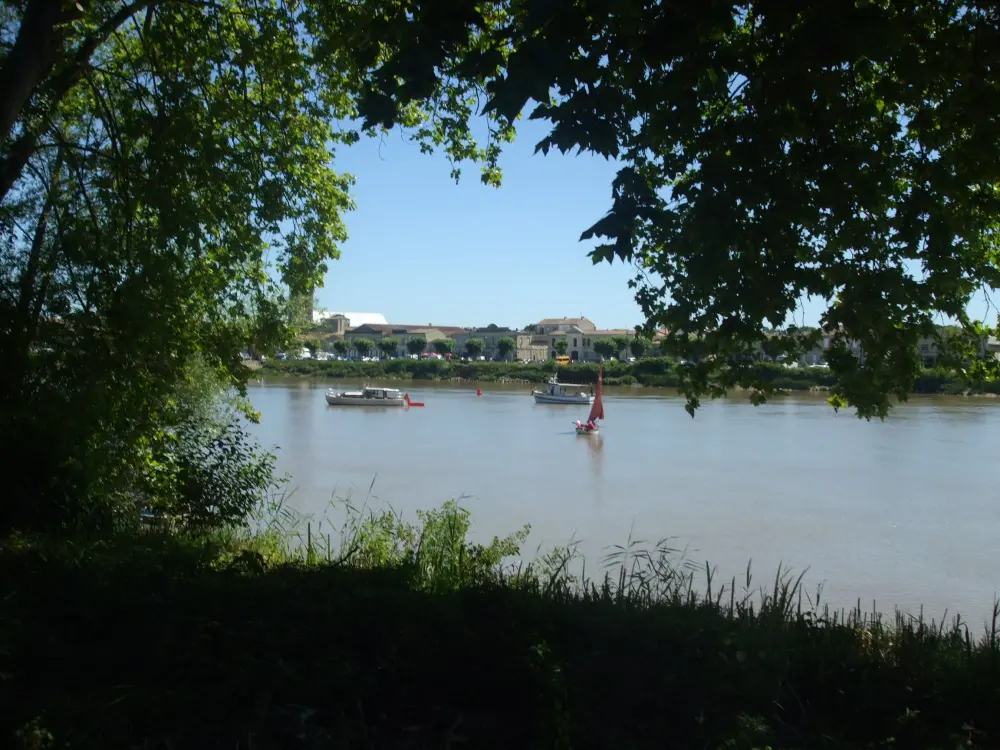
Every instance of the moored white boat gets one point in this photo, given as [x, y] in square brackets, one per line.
[562, 393]
[366, 397]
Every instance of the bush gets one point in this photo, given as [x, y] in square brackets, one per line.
[410, 633]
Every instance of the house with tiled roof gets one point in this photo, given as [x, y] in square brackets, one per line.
[580, 325]
[401, 333]
[489, 335]
[579, 340]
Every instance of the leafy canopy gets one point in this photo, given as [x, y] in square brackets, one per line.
[444, 346]
[605, 348]
[388, 346]
[167, 190]
[844, 150]
[639, 346]
[474, 347]
[364, 347]
[505, 346]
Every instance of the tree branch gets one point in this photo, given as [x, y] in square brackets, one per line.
[58, 86]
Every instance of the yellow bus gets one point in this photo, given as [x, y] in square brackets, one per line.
[562, 359]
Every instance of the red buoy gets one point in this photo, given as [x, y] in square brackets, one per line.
[479, 391]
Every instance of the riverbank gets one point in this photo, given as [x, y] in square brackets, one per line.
[652, 372]
[409, 636]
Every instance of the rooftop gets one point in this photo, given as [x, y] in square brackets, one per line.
[354, 319]
[565, 321]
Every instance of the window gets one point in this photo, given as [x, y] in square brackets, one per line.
[574, 342]
[925, 348]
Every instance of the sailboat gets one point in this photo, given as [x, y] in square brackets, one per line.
[596, 410]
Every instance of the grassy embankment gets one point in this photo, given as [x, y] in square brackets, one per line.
[651, 372]
[408, 637]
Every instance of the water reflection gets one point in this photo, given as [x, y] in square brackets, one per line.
[595, 443]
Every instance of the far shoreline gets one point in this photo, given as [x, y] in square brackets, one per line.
[264, 376]
[654, 374]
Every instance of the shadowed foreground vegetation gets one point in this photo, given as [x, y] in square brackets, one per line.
[656, 372]
[412, 637]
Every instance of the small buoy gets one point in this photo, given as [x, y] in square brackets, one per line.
[479, 391]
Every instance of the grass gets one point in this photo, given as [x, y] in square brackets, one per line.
[656, 372]
[391, 634]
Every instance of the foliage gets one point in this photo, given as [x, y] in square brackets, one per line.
[562, 345]
[639, 346]
[220, 475]
[300, 307]
[334, 643]
[621, 344]
[416, 345]
[167, 191]
[206, 470]
[444, 346]
[474, 347]
[760, 167]
[341, 347]
[363, 346]
[506, 346]
[604, 348]
[388, 346]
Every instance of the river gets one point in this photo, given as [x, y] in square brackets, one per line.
[902, 513]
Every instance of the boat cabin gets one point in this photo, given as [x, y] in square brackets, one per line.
[381, 393]
[566, 389]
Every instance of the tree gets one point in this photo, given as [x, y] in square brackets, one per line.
[364, 347]
[639, 346]
[300, 308]
[768, 350]
[416, 345]
[531, 328]
[474, 347]
[621, 344]
[604, 348]
[506, 346]
[151, 154]
[389, 347]
[561, 346]
[747, 181]
[444, 346]
[341, 347]
[311, 346]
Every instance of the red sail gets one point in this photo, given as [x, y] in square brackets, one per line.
[597, 410]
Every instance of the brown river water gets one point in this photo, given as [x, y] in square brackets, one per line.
[903, 513]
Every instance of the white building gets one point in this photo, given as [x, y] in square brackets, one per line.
[354, 319]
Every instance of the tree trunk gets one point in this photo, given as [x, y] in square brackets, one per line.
[38, 44]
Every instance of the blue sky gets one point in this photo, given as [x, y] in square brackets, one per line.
[423, 250]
